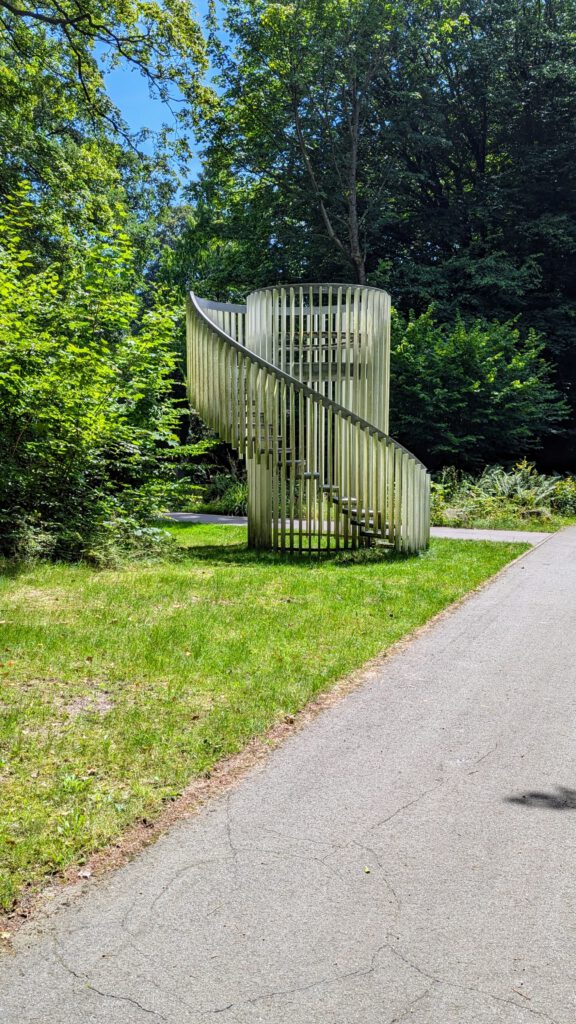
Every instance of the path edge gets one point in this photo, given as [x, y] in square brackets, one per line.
[226, 774]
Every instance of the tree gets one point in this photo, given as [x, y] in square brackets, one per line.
[86, 421]
[60, 131]
[426, 147]
[485, 131]
[161, 40]
[300, 89]
[465, 395]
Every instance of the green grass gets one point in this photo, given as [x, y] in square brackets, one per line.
[118, 686]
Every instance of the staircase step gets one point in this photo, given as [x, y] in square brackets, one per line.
[382, 542]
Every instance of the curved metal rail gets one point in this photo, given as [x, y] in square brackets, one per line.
[320, 475]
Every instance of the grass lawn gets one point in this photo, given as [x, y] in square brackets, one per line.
[118, 686]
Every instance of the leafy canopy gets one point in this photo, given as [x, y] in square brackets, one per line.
[85, 374]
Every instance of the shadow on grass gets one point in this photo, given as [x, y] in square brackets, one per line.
[192, 545]
[240, 554]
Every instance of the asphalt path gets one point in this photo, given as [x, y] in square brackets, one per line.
[410, 855]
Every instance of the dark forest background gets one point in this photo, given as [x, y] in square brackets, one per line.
[426, 148]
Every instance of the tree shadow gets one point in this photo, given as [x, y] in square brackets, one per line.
[563, 799]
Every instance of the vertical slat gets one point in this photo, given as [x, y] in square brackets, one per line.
[309, 466]
[404, 463]
[301, 462]
[235, 394]
[283, 428]
[397, 471]
[327, 455]
[274, 456]
[264, 416]
[283, 328]
[369, 473]
[411, 504]
[251, 413]
[356, 403]
[301, 332]
[346, 470]
[328, 319]
[389, 472]
[293, 457]
[339, 329]
[320, 470]
[292, 331]
[242, 423]
[379, 499]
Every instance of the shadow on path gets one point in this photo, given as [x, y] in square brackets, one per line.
[563, 799]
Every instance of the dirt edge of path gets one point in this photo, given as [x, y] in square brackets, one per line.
[78, 878]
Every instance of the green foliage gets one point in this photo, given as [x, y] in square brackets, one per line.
[226, 495]
[292, 146]
[517, 498]
[85, 380]
[564, 497]
[427, 146]
[73, 45]
[466, 394]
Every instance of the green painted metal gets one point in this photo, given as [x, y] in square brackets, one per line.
[297, 381]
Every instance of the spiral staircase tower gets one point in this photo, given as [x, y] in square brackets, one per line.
[297, 381]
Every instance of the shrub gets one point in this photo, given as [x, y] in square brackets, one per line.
[227, 495]
[564, 497]
[498, 496]
[86, 417]
[470, 394]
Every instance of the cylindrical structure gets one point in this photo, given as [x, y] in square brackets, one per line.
[299, 385]
[335, 338]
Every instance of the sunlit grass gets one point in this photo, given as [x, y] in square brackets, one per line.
[118, 686]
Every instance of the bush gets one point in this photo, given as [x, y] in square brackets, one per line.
[470, 394]
[564, 497]
[86, 417]
[226, 495]
[499, 497]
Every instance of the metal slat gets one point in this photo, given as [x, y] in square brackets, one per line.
[319, 460]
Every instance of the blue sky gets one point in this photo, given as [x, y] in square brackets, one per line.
[129, 91]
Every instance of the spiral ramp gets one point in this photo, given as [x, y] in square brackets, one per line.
[297, 382]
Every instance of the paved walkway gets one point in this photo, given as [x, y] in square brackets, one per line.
[409, 856]
[451, 532]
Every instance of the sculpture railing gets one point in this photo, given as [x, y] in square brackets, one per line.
[321, 475]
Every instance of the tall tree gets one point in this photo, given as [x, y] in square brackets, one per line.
[425, 146]
[301, 87]
[59, 129]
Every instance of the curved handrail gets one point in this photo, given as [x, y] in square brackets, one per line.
[323, 400]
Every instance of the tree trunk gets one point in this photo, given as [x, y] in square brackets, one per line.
[356, 256]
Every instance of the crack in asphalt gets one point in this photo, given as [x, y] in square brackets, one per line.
[106, 995]
[467, 988]
[126, 999]
[404, 807]
[359, 972]
[408, 1009]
